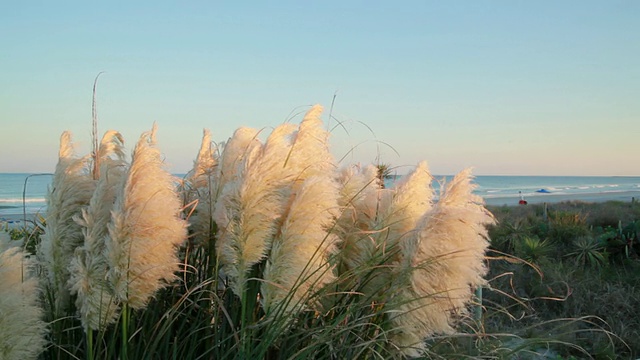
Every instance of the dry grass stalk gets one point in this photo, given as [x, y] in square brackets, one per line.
[145, 228]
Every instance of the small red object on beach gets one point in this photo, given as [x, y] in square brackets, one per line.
[522, 200]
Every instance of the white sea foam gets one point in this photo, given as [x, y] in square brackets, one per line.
[20, 201]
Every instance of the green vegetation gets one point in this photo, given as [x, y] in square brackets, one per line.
[569, 297]
[581, 261]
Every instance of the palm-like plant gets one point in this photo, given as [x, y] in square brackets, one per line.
[511, 233]
[588, 251]
[533, 250]
[384, 172]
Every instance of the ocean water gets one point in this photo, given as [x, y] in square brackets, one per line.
[494, 189]
[498, 190]
[554, 188]
[19, 192]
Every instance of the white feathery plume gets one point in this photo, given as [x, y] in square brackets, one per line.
[298, 262]
[448, 262]
[145, 228]
[412, 198]
[399, 210]
[310, 155]
[243, 142]
[364, 205]
[202, 180]
[360, 197]
[384, 221]
[251, 205]
[22, 330]
[205, 162]
[356, 183]
[95, 300]
[112, 148]
[71, 190]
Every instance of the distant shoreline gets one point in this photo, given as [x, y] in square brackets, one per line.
[624, 196]
[17, 219]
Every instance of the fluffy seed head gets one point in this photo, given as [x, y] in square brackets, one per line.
[298, 262]
[251, 205]
[95, 301]
[71, 190]
[22, 330]
[448, 264]
[202, 182]
[145, 228]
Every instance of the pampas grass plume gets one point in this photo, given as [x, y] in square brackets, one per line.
[203, 182]
[71, 190]
[360, 197]
[21, 327]
[298, 261]
[412, 198]
[448, 263]
[378, 223]
[145, 228]
[251, 205]
[95, 300]
[310, 155]
[205, 162]
[243, 142]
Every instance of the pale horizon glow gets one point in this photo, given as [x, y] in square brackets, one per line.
[508, 88]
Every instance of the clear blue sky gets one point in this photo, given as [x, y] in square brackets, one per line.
[507, 87]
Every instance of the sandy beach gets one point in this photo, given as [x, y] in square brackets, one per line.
[626, 196]
[14, 220]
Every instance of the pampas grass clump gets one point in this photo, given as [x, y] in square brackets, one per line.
[289, 255]
[22, 329]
